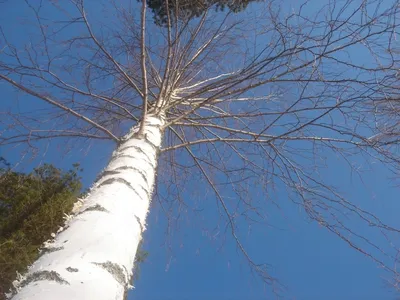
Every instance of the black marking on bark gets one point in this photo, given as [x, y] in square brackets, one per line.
[150, 143]
[145, 190]
[115, 270]
[96, 207]
[120, 180]
[140, 224]
[44, 275]
[136, 170]
[147, 156]
[152, 125]
[126, 148]
[44, 251]
[112, 172]
[105, 173]
[145, 139]
[139, 149]
[128, 286]
[147, 160]
[136, 158]
[72, 270]
[126, 290]
[121, 156]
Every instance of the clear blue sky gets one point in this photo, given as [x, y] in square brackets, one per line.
[188, 264]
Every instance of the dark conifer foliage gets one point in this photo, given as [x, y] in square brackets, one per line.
[32, 207]
[187, 9]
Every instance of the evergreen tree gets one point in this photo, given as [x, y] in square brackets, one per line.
[187, 9]
[32, 207]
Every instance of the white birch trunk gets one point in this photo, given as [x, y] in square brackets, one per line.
[93, 257]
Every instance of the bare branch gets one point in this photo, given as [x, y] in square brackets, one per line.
[59, 105]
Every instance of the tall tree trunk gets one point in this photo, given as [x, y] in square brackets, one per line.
[93, 257]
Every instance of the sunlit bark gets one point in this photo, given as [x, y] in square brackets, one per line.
[93, 256]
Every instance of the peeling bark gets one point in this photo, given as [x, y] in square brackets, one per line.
[101, 241]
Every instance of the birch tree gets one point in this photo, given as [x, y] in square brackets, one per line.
[244, 103]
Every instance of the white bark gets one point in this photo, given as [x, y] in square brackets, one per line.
[93, 257]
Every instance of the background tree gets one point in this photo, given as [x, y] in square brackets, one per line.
[242, 106]
[32, 207]
[187, 9]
